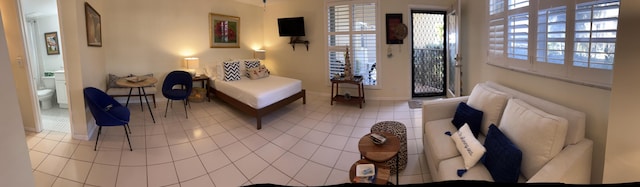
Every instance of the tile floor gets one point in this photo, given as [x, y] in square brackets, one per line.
[56, 119]
[299, 145]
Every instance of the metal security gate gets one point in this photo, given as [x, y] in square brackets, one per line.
[428, 70]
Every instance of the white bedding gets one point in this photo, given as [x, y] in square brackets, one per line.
[259, 93]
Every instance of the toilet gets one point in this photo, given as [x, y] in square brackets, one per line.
[45, 98]
[45, 95]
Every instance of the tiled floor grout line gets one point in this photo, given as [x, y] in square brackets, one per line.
[348, 117]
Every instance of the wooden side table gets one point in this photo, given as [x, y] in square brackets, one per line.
[382, 172]
[335, 96]
[148, 81]
[380, 153]
[204, 80]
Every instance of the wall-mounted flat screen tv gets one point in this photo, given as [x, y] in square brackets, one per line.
[291, 26]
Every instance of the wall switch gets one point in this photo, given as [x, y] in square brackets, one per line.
[19, 62]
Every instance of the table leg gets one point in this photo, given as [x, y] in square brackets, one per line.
[331, 96]
[129, 96]
[147, 100]
[362, 88]
[397, 168]
[360, 92]
[145, 97]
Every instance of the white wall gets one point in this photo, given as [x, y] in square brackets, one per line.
[16, 166]
[622, 156]
[49, 24]
[153, 36]
[394, 74]
[593, 101]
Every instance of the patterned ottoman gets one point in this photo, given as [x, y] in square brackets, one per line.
[398, 129]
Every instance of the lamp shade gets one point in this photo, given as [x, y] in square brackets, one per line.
[192, 64]
[259, 54]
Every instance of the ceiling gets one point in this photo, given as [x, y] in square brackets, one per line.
[258, 2]
[34, 8]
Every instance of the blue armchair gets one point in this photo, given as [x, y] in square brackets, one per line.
[184, 81]
[107, 112]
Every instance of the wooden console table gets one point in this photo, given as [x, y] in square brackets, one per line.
[335, 96]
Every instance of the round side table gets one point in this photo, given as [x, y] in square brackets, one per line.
[382, 172]
[380, 153]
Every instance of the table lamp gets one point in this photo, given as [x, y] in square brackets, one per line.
[192, 63]
[259, 54]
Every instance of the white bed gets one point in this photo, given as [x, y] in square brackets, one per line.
[259, 96]
[260, 93]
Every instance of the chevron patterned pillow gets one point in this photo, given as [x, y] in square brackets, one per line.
[248, 64]
[231, 71]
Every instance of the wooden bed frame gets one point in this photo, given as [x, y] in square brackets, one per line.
[258, 113]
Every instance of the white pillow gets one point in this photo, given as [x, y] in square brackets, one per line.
[539, 135]
[491, 102]
[211, 72]
[468, 146]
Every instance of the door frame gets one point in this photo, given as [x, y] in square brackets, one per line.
[456, 91]
[429, 10]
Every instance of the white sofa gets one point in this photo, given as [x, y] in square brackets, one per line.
[570, 163]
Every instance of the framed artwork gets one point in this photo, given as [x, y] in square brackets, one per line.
[224, 31]
[94, 30]
[51, 41]
[396, 30]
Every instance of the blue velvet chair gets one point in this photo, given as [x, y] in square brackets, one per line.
[107, 112]
[184, 83]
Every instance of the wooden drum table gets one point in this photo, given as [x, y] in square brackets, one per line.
[141, 82]
[382, 172]
[380, 153]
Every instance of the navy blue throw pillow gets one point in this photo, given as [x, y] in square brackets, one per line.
[467, 114]
[503, 158]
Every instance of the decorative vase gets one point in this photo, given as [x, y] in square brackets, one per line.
[348, 72]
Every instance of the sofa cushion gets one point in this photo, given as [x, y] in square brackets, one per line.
[538, 134]
[491, 102]
[111, 80]
[448, 170]
[442, 147]
[466, 114]
[468, 146]
[503, 159]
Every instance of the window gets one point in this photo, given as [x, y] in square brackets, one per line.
[552, 28]
[548, 26]
[496, 6]
[595, 37]
[353, 24]
[518, 36]
[515, 4]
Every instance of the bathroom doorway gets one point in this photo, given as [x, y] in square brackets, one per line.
[46, 65]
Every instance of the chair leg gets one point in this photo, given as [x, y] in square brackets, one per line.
[129, 127]
[98, 137]
[127, 134]
[185, 109]
[154, 100]
[166, 108]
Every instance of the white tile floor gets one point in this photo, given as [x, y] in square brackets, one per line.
[309, 145]
[55, 119]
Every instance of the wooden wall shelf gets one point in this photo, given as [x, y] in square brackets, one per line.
[293, 44]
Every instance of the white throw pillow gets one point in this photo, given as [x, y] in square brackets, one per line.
[469, 147]
[491, 102]
[539, 135]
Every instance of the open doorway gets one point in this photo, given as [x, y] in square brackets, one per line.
[429, 50]
[46, 65]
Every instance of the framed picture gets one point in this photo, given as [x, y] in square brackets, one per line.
[51, 41]
[94, 30]
[224, 31]
[396, 30]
